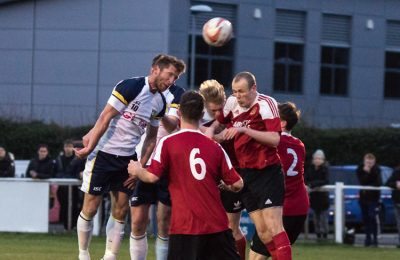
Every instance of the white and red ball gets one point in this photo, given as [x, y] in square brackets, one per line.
[217, 31]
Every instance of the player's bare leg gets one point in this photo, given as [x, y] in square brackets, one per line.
[84, 224]
[138, 241]
[270, 229]
[163, 223]
[116, 224]
[240, 239]
[256, 256]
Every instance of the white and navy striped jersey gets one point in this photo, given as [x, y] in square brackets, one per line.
[173, 98]
[138, 107]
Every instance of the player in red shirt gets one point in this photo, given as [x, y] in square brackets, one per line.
[214, 101]
[292, 153]
[255, 122]
[194, 165]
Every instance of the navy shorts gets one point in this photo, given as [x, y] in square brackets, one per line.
[106, 172]
[150, 193]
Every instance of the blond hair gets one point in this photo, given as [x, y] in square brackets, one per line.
[212, 91]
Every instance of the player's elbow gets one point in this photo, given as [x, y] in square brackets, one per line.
[151, 178]
[237, 186]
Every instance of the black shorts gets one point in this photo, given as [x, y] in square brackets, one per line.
[106, 172]
[293, 226]
[263, 188]
[216, 246]
[232, 201]
[150, 193]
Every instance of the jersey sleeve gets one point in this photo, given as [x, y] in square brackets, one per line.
[229, 174]
[226, 116]
[270, 114]
[159, 163]
[124, 92]
[155, 120]
[174, 106]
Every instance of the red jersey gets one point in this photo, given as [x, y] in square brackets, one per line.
[194, 165]
[292, 153]
[262, 115]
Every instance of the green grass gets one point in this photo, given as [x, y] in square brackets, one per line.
[17, 246]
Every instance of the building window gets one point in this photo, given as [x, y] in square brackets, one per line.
[334, 71]
[288, 67]
[289, 49]
[392, 75]
[212, 62]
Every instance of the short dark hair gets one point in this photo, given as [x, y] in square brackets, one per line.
[289, 112]
[43, 146]
[248, 76]
[68, 141]
[164, 60]
[192, 106]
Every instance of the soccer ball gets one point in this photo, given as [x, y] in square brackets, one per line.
[217, 31]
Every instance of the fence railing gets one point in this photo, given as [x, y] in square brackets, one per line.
[339, 220]
[29, 206]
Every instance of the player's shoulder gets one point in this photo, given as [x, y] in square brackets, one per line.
[176, 90]
[231, 103]
[130, 88]
[132, 82]
[268, 106]
[291, 141]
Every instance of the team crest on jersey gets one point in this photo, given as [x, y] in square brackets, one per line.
[244, 123]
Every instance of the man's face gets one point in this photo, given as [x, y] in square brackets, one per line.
[164, 78]
[2, 153]
[68, 149]
[369, 163]
[42, 153]
[214, 109]
[318, 160]
[245, 94]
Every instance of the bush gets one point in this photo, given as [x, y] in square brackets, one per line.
[22, 139]
[341, 146]
[348, 146]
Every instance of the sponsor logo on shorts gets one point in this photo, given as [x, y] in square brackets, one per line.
[268, 202]
[134, 198]
[237, 204]
[96, 188]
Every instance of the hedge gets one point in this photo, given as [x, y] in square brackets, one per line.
[22, 139]
[341, 146]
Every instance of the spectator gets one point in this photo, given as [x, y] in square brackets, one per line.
[42, 166]
[369, 174]
[7, 167]
[65, 169]
[394, 183]
[317, 175]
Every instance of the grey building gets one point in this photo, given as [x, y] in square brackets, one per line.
[338, 60]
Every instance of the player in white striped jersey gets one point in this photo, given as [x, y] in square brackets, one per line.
[135, 104]
[146, 194]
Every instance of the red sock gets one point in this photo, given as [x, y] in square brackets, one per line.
[271, 249]
[282, 246]
[241, 247]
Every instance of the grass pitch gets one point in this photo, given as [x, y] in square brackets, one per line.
[17, 246]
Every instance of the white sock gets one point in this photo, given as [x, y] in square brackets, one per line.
[115, 230]
[84, 228]
[138, 247]
[161, 248]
